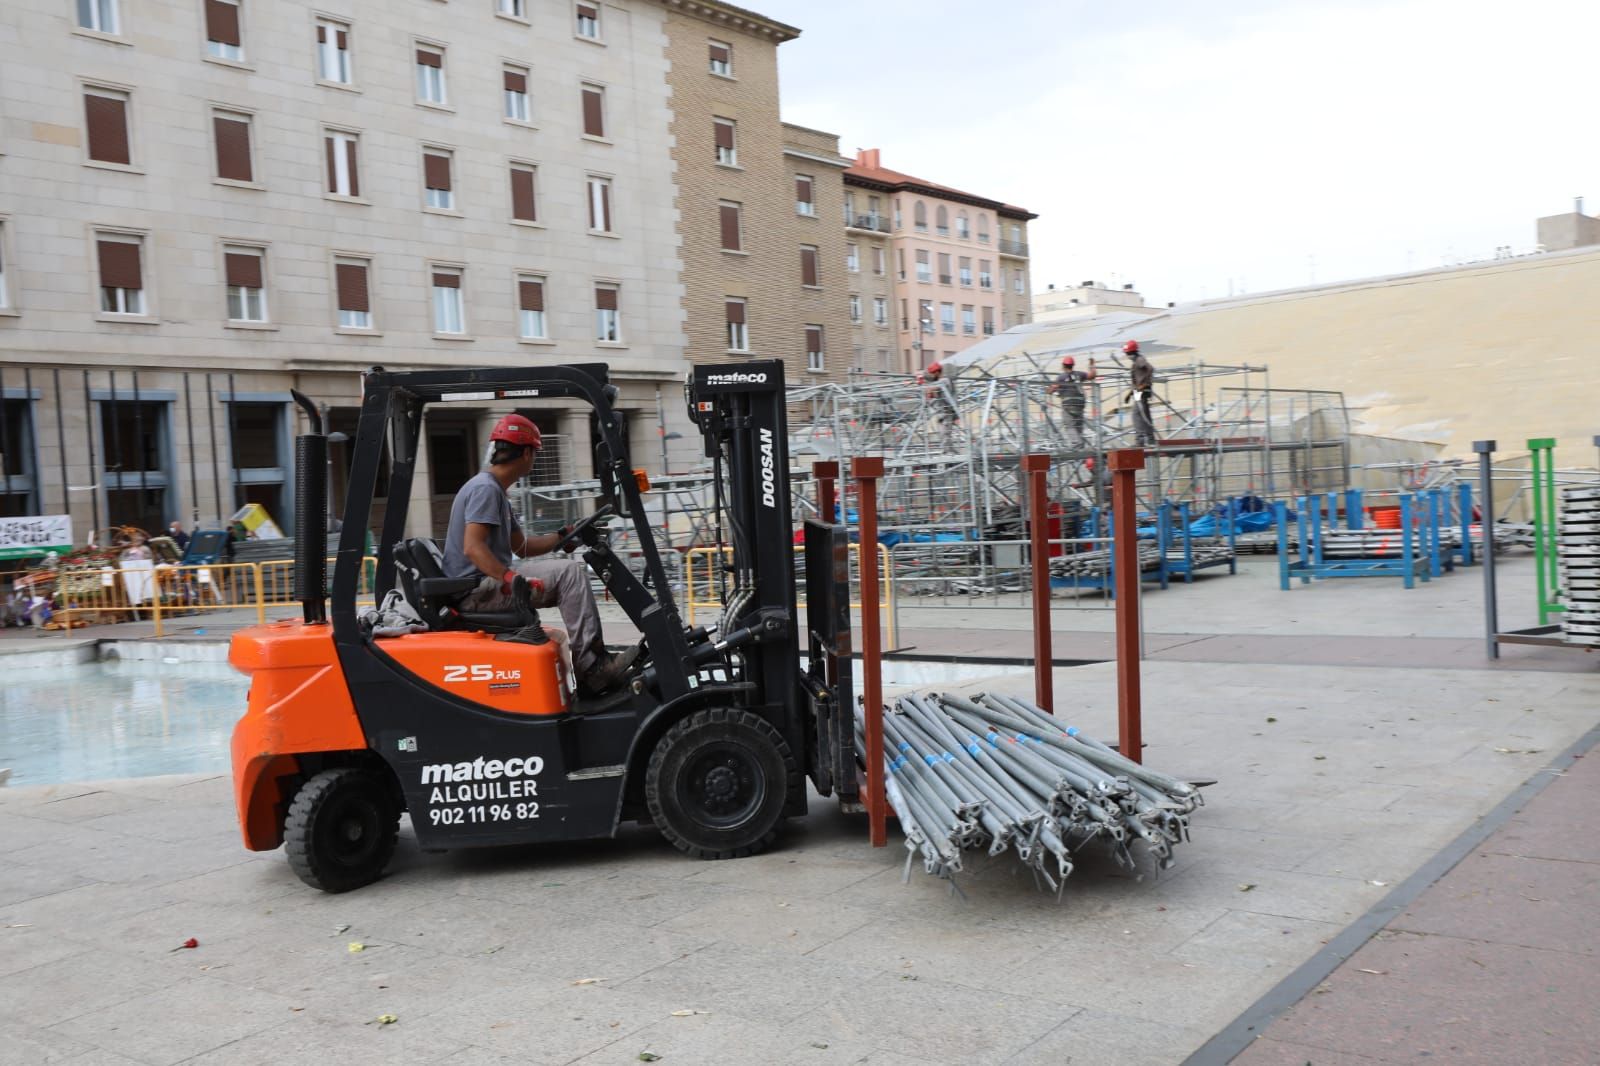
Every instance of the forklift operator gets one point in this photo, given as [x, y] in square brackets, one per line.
[484, 534]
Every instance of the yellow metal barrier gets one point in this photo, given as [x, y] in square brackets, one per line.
[277, 581]
[99, 592]
[233, 587]
[705, 594]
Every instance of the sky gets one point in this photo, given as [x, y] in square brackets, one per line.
[1201, 149]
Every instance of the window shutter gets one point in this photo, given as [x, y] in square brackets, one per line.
[516, 81]
[328, 150]
[222, 22]
[107, 120]
[735, 311]
[719, 54]
[351, 281]
[605, 207]
[119, 265]
[341, 40]
[593, 119]
[436, 171]
[808, 266]
[446, 281]
[233, 148]
[243, 269]
[530, 294]
[802, 189]
[730, 227]
[813, 339]
[722, 133]
[605, 299]
[522, 202]
[589, 11]
[350, 165]
[426, 58]
[322, 35]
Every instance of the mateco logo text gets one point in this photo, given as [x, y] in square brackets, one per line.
[740, 378]
[481, 769]
[769, 473]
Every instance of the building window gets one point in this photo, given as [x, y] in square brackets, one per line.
[988, 321]
[983, 228]
[350, 283]
[223, 39]
[517, 9]
[333, 52]
[247, 288]
[259, 446]
[231, 130]
[805, 197]
[1018, 283]
[515, 94]
[594, 113]
[5, 289]
[607, 314]
[721, 58]
[852, 258]
[964, 268]
[1016, 233]
[849, 208]
[99, 15]
[121, 274]
[732, 235]
[855, 309]
[900, 262]
[588, 20]
[137, 450]
[963, 230]
[18, 498]
[947, 317]
[877, 261]
[438, 190]
[809, 271]
[339, 150]
[723, 131]
[524, 205]
[969, 319]
[430, 76]
[942, 221]
[985, 278]
[530, 308]
[924, 267]
[880, 310]
[919, 216]
[897, 219]
[905, 318]
[944, 269]
[106, 120]
[814, 351]
[599, 204]
[738, 328]
[924, 316]
[449, 310]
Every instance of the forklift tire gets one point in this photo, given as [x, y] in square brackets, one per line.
[717, 784]
[341, 829]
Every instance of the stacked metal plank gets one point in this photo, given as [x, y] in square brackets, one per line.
[996, 772]
[1097, 562]
[1578, 548]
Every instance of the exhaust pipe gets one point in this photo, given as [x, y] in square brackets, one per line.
[311, 515]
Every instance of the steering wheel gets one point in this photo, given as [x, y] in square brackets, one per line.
[584, 530]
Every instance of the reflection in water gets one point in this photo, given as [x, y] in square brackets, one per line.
[118, 719]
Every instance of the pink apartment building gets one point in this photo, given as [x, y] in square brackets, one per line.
[950, 268]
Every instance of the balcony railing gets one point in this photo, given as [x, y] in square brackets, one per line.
[925, 277]
[968, 327]
[1018, 248]
[876, 223]
[944, 279]
[988, 329]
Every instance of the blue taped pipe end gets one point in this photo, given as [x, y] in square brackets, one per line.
[1072, 730]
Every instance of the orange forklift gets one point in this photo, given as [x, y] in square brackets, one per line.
[472, 727]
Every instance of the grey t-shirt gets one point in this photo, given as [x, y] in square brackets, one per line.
[480, 500]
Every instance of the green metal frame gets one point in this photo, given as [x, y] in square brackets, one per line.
[1545, 559]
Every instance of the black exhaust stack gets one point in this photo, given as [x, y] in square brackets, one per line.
[311, 515]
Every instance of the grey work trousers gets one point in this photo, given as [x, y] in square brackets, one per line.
[1144, 427]
[1073, 410]
[566, 584]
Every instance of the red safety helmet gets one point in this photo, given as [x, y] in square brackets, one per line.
[935, 368]
[1131, 348]
[1067, 360]
[516, 429]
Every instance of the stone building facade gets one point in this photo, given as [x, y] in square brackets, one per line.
[203, 205]
[758, 201]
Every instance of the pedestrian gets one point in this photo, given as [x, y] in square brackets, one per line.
[1069, 386]
[179, 537]
[1144, 378]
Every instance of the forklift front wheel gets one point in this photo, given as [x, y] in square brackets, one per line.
[341, 829]
[717, 784]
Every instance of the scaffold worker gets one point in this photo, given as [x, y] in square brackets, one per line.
[483, 535]
[940, 394]
[1069, 386]
[1144, 379]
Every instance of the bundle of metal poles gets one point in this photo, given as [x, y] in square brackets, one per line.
[1097, 561]
[998, 773]
[1579, 551]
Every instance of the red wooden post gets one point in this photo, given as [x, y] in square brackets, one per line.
[1036, 467]
[867, 470]
[1125, 464]
[826, 475]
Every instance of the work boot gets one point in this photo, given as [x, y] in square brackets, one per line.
[607, 672]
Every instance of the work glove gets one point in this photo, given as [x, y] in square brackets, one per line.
[562, 534]
[508, 581]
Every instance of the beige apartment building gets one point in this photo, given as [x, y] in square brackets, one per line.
[758, 200]
[206, 204]
[953, 266]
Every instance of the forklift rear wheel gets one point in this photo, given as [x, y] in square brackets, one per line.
[341, 829]
[717, 784]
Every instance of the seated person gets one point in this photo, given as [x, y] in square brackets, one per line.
[484, 534]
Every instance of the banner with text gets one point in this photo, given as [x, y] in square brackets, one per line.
[35, 535]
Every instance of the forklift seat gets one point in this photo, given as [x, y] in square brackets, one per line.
[420, 566]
